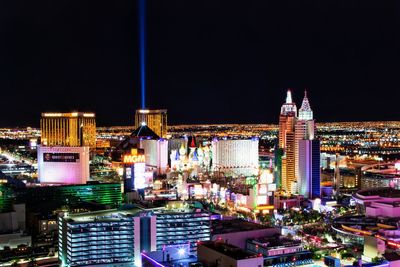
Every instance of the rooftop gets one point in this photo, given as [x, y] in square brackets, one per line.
[181, 262]
[235, 225]
[273, 242]
[381, 192]
[393, 256]
[228, 250]
[103, 215]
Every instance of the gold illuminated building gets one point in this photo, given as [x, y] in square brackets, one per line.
[287, 122]
[68, 129]
[155, 119]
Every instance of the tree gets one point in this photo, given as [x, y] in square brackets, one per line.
[32, 262]
[15, 262]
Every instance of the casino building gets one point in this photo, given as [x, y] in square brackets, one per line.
[156, 119]
[63, 165]
[118, 236]
[66, 140]
[68, 129]
[238, 157]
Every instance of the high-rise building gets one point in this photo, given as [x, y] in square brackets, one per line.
[287, 121]
[308, 157]
[109, 237]
[63, 165]
[238, 157]
[304, 128]
[180, 223]
[68, 129]
[309, 168]
[289, 180]
[155, 119]
[117, 236]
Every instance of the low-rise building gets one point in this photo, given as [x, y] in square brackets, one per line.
[227, 255]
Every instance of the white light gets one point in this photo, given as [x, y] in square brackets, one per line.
[143, 123]
[181, 251]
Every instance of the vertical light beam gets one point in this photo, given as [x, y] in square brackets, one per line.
[142, 48]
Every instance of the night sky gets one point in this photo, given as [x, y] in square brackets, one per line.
[209, 61]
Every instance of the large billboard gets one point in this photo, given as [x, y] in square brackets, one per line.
[63, 165]
[61, 157]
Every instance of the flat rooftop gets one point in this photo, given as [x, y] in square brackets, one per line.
[273, 242]
[229, 250]
[393, 256]
[381, 192]
[102, 215]
[181, 262]
[235, 225]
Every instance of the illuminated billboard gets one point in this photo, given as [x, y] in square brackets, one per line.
[63, 165]
[134, 157]
[61, 157]
[135, 169]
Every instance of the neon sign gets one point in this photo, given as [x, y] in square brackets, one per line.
[134, 157]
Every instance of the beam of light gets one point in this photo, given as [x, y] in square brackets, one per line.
[142, 48]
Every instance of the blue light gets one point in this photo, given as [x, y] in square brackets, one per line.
[142, 48]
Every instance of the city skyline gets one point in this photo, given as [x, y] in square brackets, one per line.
[241, 59]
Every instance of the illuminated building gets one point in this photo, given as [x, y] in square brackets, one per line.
[380, 175]
[156, 119]
[173, 255]
[68, 129]
[227, 255]
[280, 250]
[155, 148]
[107, 237]
[182, 223]
[6, 197]
[134, 170]
[103, 194]
[63, 165]
[238, 231]
[287, 121]
[309, 168]
[119, 236]
[237, 157]
[187, 156]
[289, 181]
[304, 128]
[156, 153]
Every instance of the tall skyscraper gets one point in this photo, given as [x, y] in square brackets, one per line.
[305, 128]
[308, 157]
[66, 139]
[238, 157]
[287, 121]
[155, 119]
[75, 129]
[309, 168]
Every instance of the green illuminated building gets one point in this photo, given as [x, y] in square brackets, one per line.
[6, 198]
[103, 194]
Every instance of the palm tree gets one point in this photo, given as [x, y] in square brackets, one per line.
[15, 262]
[32, 262]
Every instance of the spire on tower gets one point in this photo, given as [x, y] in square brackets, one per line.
[305, 111]
[289, 97]
[289, 107]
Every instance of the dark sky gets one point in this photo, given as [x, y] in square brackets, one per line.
[209, 61]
